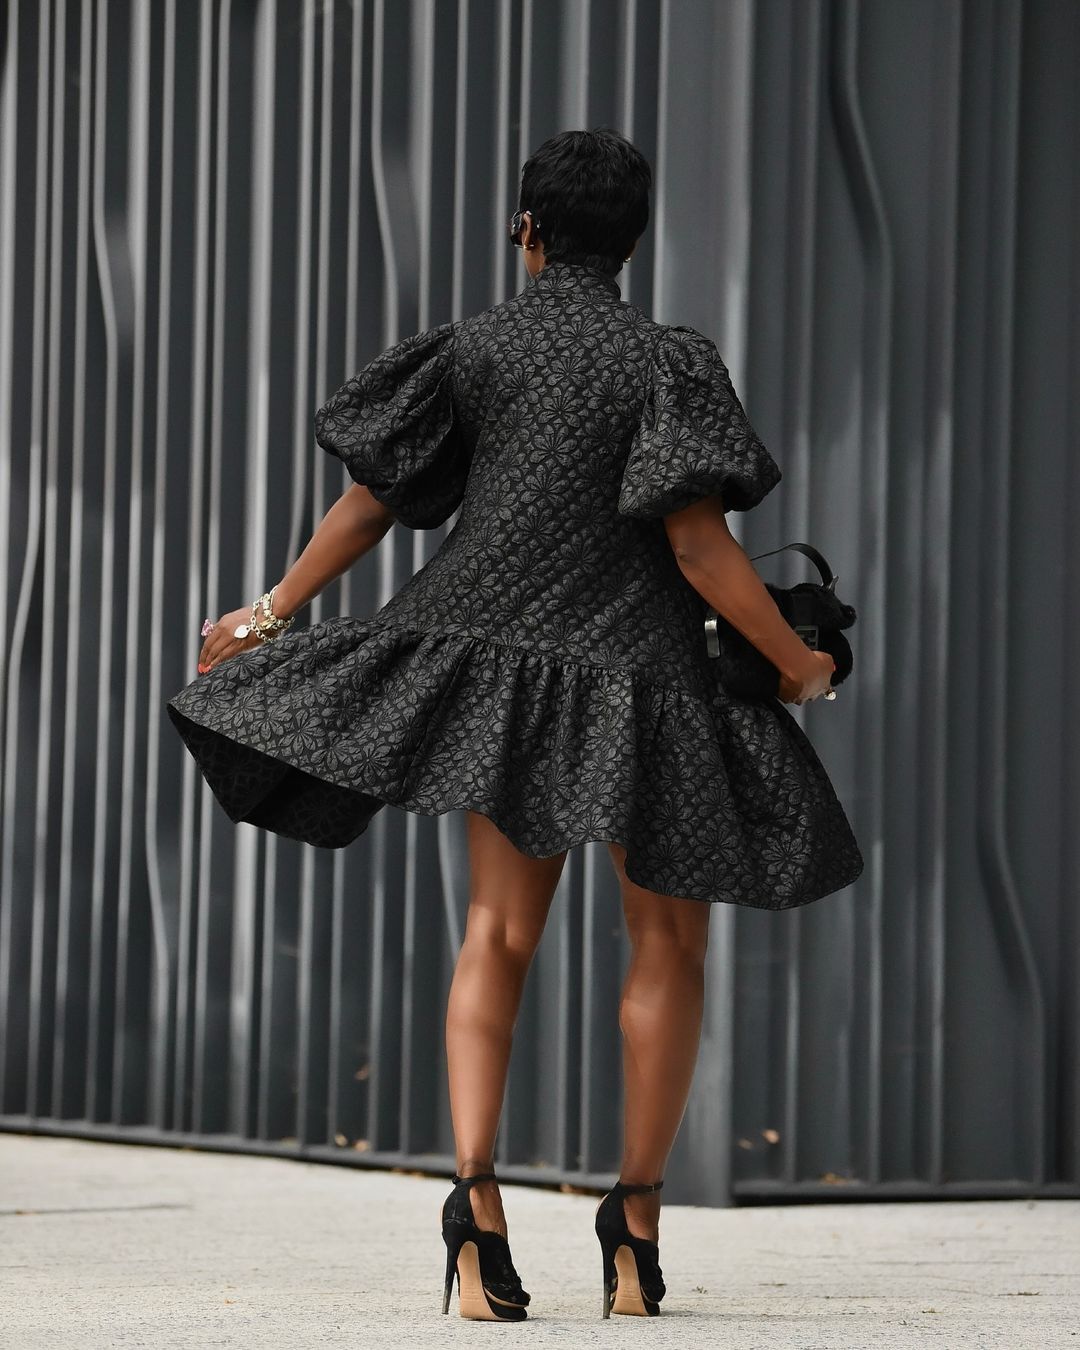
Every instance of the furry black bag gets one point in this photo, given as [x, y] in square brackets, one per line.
[812, 609]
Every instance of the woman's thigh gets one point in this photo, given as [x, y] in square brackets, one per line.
[678, 921]
[510, 892]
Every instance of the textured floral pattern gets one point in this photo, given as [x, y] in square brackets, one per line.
[546, 666]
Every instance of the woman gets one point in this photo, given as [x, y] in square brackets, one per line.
[545, 671]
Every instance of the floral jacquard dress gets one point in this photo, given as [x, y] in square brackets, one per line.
[547, 665]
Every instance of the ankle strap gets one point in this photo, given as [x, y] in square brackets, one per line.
[480, 1176]
[638, 1187]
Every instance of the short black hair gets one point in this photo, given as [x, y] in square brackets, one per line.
[588, 192]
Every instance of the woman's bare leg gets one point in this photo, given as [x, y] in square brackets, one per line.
[660, 1014]
[509, 897]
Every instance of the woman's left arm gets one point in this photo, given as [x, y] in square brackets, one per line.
[353, 526]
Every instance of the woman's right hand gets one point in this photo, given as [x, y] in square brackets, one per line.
[810, 683]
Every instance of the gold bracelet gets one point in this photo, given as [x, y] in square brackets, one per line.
[273, 625]
[272, 619]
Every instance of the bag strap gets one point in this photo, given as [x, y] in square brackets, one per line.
[828, 578]
[799, 616]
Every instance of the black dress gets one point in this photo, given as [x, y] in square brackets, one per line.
[547, 666]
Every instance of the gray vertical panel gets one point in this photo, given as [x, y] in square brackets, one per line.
[141, 956]
[1029, 1104]
[9, 126]
[246, 475]
[66, 960]
[42, 1005]
[73, 996]
[994, 1004]
[1067, 1117]
[806, 131]
[705, 60]
[781, 347]
[201, 519]
[1043, 746]
[161, 878]
[500, 172]
[397, 241]
[461, 199]
[21, 986]
[843, 1141]
[574, 62]
[310, 1038]
[252, 1026]
[224, 559]
[330, 885]
[102, 1049]
[935, 519]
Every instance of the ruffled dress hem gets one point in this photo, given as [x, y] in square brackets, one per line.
[312, 734]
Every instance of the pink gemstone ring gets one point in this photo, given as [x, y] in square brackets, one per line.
[207, 628]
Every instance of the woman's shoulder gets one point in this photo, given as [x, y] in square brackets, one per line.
[695, 438]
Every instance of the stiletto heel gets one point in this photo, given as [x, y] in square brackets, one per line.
[633, 1280]
[489, 1288]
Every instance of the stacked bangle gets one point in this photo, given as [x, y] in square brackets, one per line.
[270, 625]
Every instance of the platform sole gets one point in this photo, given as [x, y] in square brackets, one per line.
[474, 1301]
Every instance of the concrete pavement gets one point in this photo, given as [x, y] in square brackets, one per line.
[122, 1245]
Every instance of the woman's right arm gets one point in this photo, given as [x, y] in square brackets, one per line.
[718, 568]
[352, 527]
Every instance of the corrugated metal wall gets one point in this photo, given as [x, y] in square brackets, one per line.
[212, 213]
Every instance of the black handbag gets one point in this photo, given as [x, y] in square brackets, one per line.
[812, 609]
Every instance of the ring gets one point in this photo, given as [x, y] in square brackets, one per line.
[207, 628]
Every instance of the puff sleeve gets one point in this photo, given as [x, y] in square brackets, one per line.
[694, 438]
[393, 426]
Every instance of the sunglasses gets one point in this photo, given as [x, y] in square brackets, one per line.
[517, 220]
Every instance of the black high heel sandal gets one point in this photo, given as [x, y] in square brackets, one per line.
[633, 1280]
[489, 1288]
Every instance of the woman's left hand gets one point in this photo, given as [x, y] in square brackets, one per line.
[220, 644]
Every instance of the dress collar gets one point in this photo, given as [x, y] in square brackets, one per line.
[571, 276]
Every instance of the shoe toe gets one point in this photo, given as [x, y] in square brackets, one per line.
[500, 1275]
